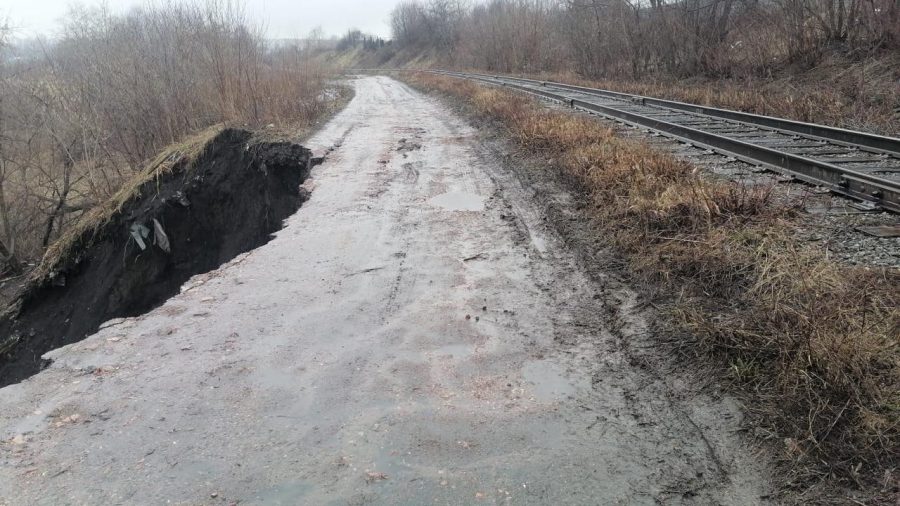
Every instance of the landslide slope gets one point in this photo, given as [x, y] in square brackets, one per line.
[194, 207]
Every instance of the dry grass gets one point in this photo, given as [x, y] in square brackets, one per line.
[812, 344]
[181, 154]
[860, 95]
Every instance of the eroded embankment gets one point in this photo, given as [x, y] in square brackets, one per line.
[184, 216]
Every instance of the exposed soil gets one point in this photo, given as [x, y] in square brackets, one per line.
[229, 200]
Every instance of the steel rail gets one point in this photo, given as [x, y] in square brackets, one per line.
[874, 142]
[872, 189]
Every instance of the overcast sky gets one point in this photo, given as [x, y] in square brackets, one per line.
[282, 18]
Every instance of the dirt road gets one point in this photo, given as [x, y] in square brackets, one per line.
[416, 334]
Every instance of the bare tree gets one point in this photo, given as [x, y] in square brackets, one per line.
[7, 242]
[79, 115]
[635, 38]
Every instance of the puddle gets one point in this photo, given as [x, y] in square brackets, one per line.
[550, 381]
[538, 241]
[459, 201]
[274, 377]
[456, 350]
[284, 493]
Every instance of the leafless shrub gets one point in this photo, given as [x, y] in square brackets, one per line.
[635, 39]
[739, 54]
[79, 116]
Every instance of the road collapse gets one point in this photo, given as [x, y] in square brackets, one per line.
[197, 213]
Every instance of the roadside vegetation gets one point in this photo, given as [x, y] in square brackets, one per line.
[80, 115]
[813, 346]
[859, 95]
[835, 62]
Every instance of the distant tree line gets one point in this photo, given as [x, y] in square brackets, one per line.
[357, 39]
[635, 38]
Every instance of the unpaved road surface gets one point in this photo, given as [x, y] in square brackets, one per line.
[415, 335]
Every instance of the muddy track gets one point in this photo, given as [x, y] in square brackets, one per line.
[420, 332]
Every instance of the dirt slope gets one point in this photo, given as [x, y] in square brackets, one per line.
[190, 220]
[416, 334]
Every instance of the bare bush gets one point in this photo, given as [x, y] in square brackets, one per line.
[78, 116]
[634, 38]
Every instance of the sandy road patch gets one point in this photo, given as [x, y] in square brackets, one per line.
[414, 335]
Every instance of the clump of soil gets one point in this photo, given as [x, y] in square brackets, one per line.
[186, 220]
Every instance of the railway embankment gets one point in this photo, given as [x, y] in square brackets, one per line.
[808, 340]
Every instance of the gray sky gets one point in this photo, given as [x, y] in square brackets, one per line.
[283, 18]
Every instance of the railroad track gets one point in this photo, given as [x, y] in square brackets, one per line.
[863, 166]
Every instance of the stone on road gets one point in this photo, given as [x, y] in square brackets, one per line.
[416, 334]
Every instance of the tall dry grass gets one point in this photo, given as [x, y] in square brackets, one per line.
[814, 346]
[859, 95]
[79, 115]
